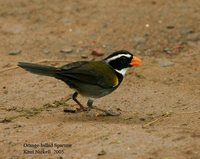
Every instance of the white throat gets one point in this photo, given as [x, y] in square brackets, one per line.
[122, 71]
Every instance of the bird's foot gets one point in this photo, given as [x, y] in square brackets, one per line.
[106, 112]
[83, 109]
[112, 113]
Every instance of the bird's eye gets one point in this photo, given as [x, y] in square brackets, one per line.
[123, 60]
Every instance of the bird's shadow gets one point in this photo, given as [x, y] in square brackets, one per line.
[92, 116]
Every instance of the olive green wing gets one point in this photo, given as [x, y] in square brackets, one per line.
[93, 72]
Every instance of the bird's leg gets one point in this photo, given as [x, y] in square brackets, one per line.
[89, 104]
[107, 112]
[74, 97]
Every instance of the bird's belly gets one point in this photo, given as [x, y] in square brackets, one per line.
[93, 91]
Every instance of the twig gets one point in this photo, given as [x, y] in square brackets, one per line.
[164, 116]
[8, 69]
[98, 39]
[198, 111]
[153, 122]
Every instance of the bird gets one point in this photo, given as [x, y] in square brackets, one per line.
[91, 79]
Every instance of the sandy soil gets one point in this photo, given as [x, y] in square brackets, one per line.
[159, 101]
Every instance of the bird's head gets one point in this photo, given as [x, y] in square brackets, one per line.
[122, 60]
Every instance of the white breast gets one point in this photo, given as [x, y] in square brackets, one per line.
[122, 71]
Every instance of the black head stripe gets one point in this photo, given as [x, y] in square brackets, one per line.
[119, 60]
[120, 63]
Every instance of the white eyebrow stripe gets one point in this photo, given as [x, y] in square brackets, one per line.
[118, 56]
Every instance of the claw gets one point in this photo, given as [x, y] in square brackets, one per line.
[107, 112]
[84, 109]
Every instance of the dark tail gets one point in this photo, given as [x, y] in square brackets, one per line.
[38, 69]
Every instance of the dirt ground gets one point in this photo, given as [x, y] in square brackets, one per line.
[159, 101]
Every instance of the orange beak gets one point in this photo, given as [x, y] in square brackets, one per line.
[135, 61]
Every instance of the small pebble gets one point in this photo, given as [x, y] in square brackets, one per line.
[67, 21]
[168, 50]
[67, 50]
[5, 92]
[97, 52]
[170, 27]
[142, 119]
[5, 120]
[139, 40]
[46, 51]
[15, 52]
[101, 153]
[119, 133]
[84, 56]
[193, 37]
[147, 25]
[186, 31]
[166, 63]
[70, 110]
